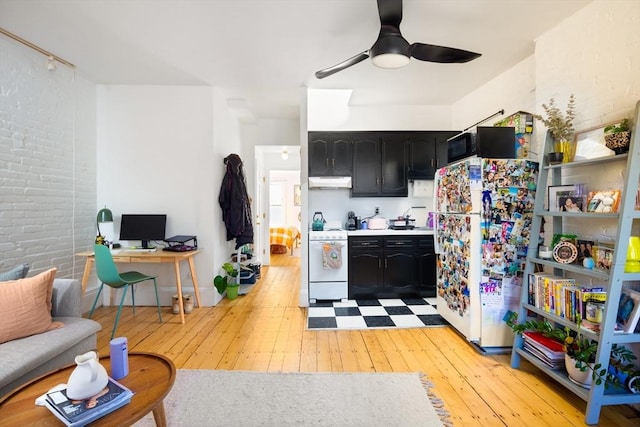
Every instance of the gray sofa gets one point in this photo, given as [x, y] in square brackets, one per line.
[23, 359]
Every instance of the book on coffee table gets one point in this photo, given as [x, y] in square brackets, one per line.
[78, 413]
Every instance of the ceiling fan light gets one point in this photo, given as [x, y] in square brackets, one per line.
[390, 60]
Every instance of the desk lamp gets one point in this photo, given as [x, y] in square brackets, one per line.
[104, 217]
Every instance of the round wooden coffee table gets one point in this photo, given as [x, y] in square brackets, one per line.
[150, 378]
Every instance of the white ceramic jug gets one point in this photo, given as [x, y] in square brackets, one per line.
[88, 378]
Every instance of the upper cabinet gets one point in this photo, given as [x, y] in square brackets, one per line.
[380, 164]
[427, 152]
[330, 154]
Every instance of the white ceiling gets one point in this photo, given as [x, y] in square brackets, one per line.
[264, 51]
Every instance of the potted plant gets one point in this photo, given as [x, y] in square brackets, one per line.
[617, 136]
[561, 128]
[228, 281]
[580, 353]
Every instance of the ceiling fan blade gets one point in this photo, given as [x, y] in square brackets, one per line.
[433, 53]
[390, 12]
[341, 66]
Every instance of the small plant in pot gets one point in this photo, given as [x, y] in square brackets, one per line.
[581, 352]
[617, 136]
[560, 126]
[228, 281]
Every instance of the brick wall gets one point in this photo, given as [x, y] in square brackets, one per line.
[594, 55]
[47, 162]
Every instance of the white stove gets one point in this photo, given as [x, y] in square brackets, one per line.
[328, 282]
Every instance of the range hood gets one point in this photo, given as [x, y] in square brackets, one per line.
[329, 182]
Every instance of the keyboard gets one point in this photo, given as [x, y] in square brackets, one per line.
[179, 248]
[134, 249]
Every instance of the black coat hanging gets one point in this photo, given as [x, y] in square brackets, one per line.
[235, 204]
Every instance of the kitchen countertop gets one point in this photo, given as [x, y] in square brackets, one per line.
[390, 232]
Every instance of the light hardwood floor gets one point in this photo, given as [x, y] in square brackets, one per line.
[265, 331]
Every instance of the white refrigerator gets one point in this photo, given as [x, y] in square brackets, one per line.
[483, 222]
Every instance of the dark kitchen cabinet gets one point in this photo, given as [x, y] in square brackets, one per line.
[382, 267]
[380, 165]
[330, 154]
[427, 152]
[399, 278]
[365, 267]
[426, 267]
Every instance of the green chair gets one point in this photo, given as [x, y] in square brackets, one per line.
[109, 275]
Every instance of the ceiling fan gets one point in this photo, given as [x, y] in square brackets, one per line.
[391, 50]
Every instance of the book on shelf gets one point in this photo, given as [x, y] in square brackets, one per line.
[542, 357]
[547, 350]
[628, 310]
[78, 413]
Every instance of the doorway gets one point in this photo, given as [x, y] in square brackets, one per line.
[279, 174]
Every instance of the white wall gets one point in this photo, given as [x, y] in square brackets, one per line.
[156, 154]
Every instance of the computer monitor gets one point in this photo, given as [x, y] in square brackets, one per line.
[143, 227]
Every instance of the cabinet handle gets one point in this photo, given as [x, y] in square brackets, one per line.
[431, 162]
[437, 163]
[326, 162]
[385, 263]
[333, 163]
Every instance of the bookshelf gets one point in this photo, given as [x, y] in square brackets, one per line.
[625, 219]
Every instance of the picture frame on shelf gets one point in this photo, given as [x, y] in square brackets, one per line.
[628, 310]
[603, 201]
[602, 256]
[571, 203]
[585, 250]
[559, 194]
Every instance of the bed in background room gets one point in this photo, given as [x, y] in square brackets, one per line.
[282, 239]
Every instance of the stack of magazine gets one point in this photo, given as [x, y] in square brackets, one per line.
[78, 413]
[547, 350]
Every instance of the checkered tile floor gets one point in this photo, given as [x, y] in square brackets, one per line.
[371, 314]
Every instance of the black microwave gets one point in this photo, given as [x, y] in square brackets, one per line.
[487, 141]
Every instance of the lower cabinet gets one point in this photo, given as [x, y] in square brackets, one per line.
[391, 267]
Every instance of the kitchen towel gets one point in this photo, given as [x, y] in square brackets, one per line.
[331, 255]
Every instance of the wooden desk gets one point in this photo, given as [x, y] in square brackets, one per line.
[158, 256]
[151, 377]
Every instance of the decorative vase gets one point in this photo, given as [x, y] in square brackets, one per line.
[618, 142]
[582, 378]
[88, 378]
[589, 263]
[567, 148]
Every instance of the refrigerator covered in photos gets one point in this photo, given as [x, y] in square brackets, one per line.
[483, 222]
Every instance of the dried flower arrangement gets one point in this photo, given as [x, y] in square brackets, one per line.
[560, 125]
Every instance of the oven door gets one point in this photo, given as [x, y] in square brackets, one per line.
[327, 283]
[317, 272]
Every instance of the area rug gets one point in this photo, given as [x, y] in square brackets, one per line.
[374, 314]
[205, 398]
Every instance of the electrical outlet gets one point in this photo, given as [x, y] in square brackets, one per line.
[377, 210]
